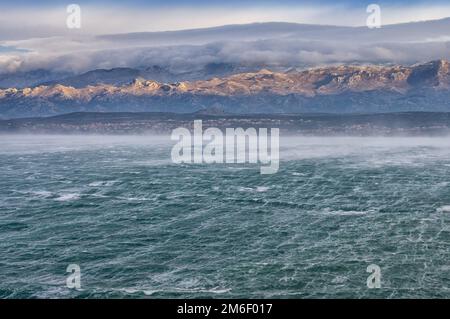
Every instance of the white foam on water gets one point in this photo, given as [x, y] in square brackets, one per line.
[258, 189]
[339, 279]
[193, 290]
[134, 198]
[346, 213]
[68, 197]
[42, 194]
[298, 174]
[444, 209]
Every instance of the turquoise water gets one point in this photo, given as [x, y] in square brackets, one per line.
[141, 227]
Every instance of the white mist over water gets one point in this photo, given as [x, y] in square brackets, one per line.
[370, 151]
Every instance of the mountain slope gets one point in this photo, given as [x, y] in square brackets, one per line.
[330, 89]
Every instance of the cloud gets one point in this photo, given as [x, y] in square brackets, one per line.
[10, 49]
[260, 44]
[270, 52]
[25, 22]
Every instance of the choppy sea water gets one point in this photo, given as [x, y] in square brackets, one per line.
[140, 226]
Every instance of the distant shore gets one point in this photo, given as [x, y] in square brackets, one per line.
[383, 124]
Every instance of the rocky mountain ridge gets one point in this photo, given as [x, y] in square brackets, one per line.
[291, 91]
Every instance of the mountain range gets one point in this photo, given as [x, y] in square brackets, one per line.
[330, 89]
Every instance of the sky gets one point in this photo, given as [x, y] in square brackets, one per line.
[34, 33]
[25, 18]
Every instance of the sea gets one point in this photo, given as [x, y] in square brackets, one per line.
[138, 225]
